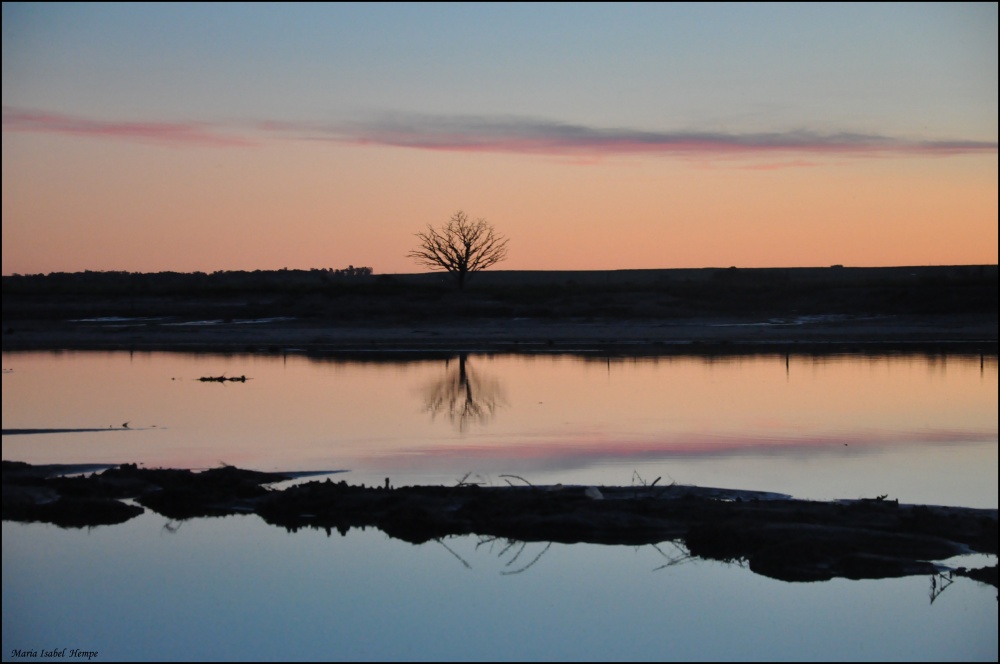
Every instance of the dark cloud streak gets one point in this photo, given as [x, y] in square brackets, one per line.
[531, 136]
[500, 134]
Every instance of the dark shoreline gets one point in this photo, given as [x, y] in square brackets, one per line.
[938, 309]
[926, 335]
[777, 536]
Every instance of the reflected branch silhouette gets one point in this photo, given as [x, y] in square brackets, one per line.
[463, 395]
[940, 583]
[511, 544]
[171, 527]
[452, 552]
[525, 567]
[682, 556]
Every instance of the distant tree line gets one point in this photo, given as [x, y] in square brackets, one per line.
[765, 292]
[351, 271]
[142, 283]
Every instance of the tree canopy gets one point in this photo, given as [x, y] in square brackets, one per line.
[461, 246]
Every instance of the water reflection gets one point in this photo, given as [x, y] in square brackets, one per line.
[510, 552]
[940, 583]
[135, 594]
[464, 395]
[518, 556]
[920, 428]
[779, 538]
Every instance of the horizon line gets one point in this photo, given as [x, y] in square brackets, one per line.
[835, 266]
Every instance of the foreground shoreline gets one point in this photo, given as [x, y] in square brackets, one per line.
[777, 536]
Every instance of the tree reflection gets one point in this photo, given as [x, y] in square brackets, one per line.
[464, 395]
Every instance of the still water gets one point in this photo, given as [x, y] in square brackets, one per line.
[919, 428]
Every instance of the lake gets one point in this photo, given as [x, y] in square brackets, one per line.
[918, 428]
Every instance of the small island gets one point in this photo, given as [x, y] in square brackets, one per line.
[775, 535]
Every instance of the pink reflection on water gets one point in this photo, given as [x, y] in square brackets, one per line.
[587, 449]
[800, 424]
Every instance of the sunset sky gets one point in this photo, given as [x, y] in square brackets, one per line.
[208, 137]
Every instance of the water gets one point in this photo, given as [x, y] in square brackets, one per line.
[921, 428]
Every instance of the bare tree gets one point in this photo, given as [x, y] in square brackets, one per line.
[460, 247]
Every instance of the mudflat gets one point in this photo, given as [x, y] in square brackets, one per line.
[626, 311]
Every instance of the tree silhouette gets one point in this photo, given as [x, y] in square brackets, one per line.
[461, 246]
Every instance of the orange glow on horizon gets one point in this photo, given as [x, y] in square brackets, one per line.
[72, 204]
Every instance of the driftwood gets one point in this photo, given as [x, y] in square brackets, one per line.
[223, 379]
[777, 536]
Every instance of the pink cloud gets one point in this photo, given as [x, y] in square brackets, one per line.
[578, 143]
[170, 133]
[775, 166]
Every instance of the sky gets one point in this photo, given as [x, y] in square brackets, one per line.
[203, 137]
